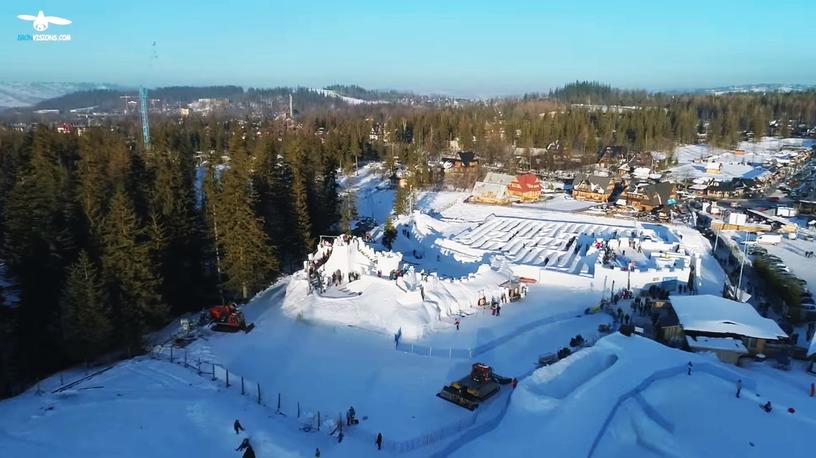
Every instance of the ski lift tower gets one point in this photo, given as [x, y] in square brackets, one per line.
[144, 104]
[145, 123]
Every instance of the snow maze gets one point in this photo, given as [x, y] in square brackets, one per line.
[543, 243]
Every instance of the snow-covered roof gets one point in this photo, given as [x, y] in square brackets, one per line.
[498, 178]
[716, 343]
[718, 315]
[484, 189]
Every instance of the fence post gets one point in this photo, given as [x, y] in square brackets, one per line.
[298, 413]
[278, 402]
[318, 420]
[171, 354]
[227, 377]
[62, 381]
[198, 366]
[242, 385]
[185, 357]
[259, 393]
[213, 371]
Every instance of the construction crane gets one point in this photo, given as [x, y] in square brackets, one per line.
[144, 105]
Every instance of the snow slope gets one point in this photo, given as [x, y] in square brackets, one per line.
[328, 368]
[630, 396]
[141, 407]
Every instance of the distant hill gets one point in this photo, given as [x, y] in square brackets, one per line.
[595, 93]
[110, 99]
[267, 100]
[357, 92]
[26, 94]
[270, 101]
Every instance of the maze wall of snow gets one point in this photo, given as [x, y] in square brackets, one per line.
[547, 250]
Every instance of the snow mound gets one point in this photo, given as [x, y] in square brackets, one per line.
[411, 304]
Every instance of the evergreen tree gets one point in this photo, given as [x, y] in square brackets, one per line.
[85, 317]
[248, 261]
[131, 282]
[348, 211]
[402, 199]
[173, 221]
[389, 233]
[303, 224]
[38, 239]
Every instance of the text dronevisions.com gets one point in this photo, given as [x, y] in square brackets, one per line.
[43, 37]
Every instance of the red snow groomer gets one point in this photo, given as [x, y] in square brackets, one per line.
[227, 318]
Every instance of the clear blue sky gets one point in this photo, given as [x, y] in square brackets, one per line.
[468, 47]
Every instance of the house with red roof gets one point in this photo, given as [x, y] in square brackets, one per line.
[526, 188]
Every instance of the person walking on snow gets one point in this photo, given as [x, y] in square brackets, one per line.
[739, 387]
[237, 426]
[379, 441]
[248, 451]
[456, 322]
[689, 367]
[317, 453]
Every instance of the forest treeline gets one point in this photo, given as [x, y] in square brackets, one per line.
[103, 240]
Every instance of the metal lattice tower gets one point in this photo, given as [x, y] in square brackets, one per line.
[145, 123]
[144, 101]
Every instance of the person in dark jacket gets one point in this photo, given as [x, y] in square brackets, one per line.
[248, 451]
[767, 407]
[379, 441]
[237, 426]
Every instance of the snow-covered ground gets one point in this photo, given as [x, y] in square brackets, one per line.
[325, 352]
[792, 253]
[630, 396]
[141, 407]
[692, 160]
[375, 198]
